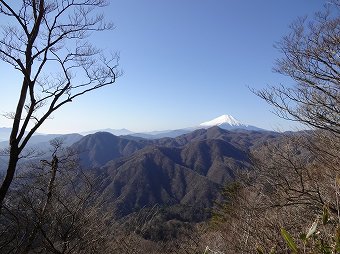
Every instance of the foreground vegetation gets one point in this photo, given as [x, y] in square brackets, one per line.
[289, 203]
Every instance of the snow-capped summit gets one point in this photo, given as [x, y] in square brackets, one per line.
[224, 119]
[227, 122]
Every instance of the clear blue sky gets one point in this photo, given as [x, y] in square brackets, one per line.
[184, 62]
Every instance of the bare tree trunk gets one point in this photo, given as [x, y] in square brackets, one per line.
[54, 168]
[13, 160]
[34, 39]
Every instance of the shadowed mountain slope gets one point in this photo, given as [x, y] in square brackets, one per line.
[97, 149]
[151, 177]
[188, 170]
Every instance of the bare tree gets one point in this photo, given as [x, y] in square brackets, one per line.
[294, 178]
[46, 41]
[311, 58]
[293, 175]
[53, 209]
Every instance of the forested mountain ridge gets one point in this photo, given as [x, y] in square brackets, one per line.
[188, 170]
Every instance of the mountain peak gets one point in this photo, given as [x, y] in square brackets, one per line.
[222, 120]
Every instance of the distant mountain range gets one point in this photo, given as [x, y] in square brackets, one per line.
[133, 141]
[41, 141]
[226, 122]
[4, 133]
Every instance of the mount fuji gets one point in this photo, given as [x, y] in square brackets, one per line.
[227, 122]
